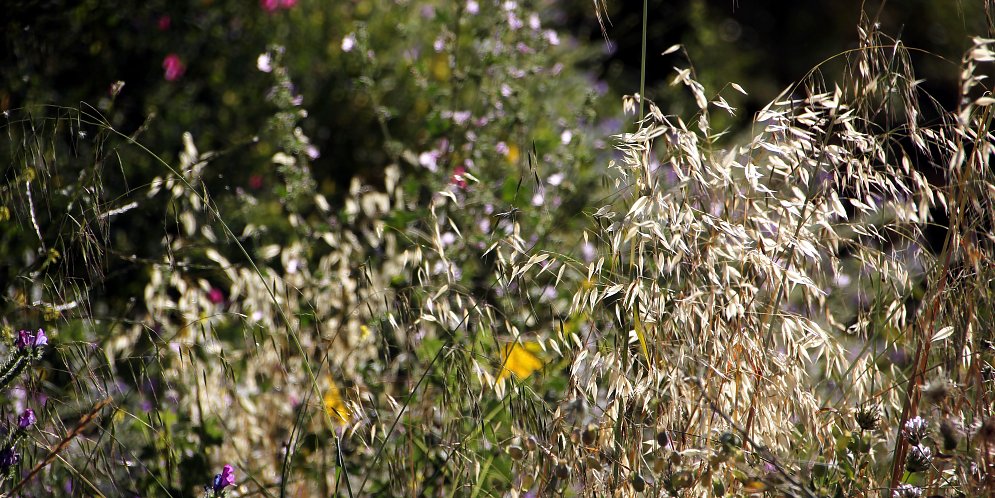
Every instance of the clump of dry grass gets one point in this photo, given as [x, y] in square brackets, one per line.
[746, 294]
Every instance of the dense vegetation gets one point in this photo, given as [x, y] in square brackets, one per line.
[417, 248]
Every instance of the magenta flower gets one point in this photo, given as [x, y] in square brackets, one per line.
[26, 339]
[26, 419]
[173, 66]
[288, 4]
[163, 23]
[269, 5]
[457, 178]
[215, 295]
[224, 479]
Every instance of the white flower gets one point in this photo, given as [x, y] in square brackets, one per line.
[566, 136]
[429, 160]
[349, 42]
[472, 7]
[534, 22]
[264, 63]
[552, 37]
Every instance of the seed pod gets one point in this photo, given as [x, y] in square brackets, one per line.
[575, 436]
[590, 435]
[949, 434]
[987, 431]
[663, 439]
[516, 452]
[867, 418]
[562, 471]
[730, 440]
[638, 483]
[530, 443]
[936, 392]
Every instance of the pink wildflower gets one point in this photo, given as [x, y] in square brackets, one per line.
[215, 295]
[457, 179]
[173, 67]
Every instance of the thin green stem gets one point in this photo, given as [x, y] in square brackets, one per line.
[642, 62]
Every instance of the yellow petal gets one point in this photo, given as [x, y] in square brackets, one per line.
[334, 406]
[517, 359]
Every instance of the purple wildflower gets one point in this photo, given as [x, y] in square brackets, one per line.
[224, 479]
[914, 430]
[26, 419]
[907, 491]
[26, 339]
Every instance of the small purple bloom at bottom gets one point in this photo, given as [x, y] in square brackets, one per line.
[224, 479]
[8, 458]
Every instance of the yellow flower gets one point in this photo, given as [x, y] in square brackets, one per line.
[334, 406]
[519, 359]
[513, 154]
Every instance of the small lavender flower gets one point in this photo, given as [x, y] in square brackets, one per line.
[224, 479]
[907, 491]
[26, 419]
[914, 430]
[461, 117]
